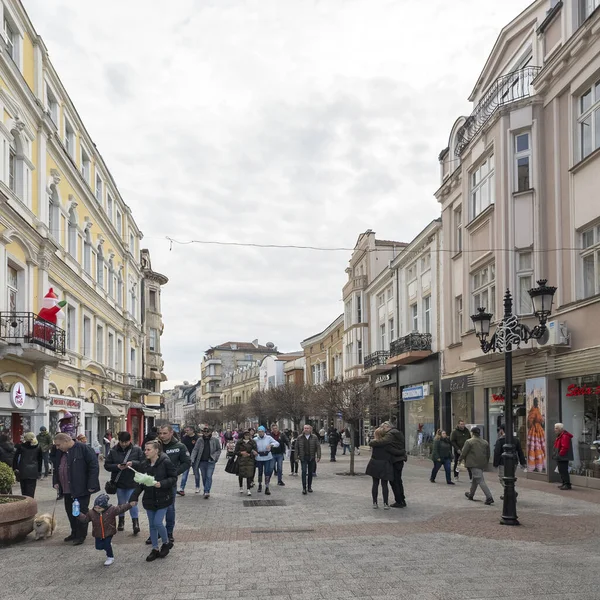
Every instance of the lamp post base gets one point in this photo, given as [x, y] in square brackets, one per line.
[513, 521]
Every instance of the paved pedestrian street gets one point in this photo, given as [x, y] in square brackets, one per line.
[332, 544]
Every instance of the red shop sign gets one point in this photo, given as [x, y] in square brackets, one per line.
[574, 390]
[497, 397]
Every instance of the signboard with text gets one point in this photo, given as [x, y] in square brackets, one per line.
[66, 403]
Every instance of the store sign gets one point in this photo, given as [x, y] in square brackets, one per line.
[17, 395]
[415, 392]
[499, 398]
[386, 379]
[66, 403]
[456, 384]
[575, 390]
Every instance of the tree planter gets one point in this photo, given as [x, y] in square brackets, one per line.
[16, 518]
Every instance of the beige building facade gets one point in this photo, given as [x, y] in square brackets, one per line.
[323, 354]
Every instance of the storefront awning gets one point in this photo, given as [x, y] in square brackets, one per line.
[107, 410]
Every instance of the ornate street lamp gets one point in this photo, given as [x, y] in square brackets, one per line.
[508, 336]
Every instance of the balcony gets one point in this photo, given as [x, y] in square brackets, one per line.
[410, 349]
[507, 89]
[376, 362]
[137, 384]
[31, 338]
[355, 284]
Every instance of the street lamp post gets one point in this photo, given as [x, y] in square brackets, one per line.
[508, 336]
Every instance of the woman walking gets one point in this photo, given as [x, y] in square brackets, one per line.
[381, 470]
[107, 442]
[442, 456]
[157, 497]
[293, 462]
[27, 464]
[245, 450]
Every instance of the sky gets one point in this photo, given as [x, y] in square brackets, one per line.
[287, 122]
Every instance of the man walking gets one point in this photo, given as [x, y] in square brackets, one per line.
[476, 456]
[499, 450]
[334, 440]
[189, 440]
[563, 453]
[45, 441]
[395, 445]
[308, 452]
[75, 477]
[205, 455]
[180, 457]
[458, 438]
[279, 452]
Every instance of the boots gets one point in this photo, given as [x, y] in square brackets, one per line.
[136, 526]
[121, 525]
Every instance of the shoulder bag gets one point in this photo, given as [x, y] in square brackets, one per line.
[110, 487]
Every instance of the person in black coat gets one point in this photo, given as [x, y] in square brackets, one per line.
[118, 461]
[380, 467]
[499, 450]
[7, 450]
[27, 464]
[157, 498]
[75, 476]
[334, 439]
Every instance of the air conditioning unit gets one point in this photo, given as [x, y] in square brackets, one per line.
[556, 335]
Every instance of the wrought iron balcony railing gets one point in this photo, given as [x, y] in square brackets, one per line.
[376, 359]
[507, 88]
[29, 328]
[413, 342]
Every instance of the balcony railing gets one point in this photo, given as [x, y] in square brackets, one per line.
[28, 328]
[413, 342]
[376, 359]
[507, 88]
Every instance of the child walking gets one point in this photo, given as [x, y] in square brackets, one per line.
[104, 524]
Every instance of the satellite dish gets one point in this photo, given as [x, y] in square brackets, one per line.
[270, 345]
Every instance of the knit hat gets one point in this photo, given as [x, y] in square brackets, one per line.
[103, 501]
[42, 428]
[262, 428]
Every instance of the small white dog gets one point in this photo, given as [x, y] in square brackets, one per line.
[44, 525]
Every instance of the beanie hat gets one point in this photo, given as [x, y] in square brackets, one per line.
[262, 428]
[42, 428]
[102, 501]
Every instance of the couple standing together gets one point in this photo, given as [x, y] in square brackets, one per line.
[386, 464]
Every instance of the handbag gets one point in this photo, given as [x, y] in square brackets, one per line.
[232, 466]
[110, 487]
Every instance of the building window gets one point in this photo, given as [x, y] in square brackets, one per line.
[12, 284]
[109, 206]
[382, 337]
[99, 188]
[152, 299]
[411, 272]
[458, 325]
[381, 299]
[131, 243]
[522, 162]
[588, 121]
[120, 290]
[71, 333]
[69, 139]
[359, 352]
[390, 293]
[153, 339]
[586, 8]
[100, 344]
[483, 285]
[458, 230]
[132, 362]
[414, 317]
[85, 165]
[348, 314]
[119, 223]
[358, 308]
[427, 313]
[524, 282]
[87, 337]
[426, 263]
[111, 351]
[482, 186]
[392, 330]
[51, 105]
[349, 357]
[11, 39]
[590, 257]
[12, 167]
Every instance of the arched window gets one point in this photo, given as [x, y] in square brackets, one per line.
[72, 225]
[100, 266]
[87, 252]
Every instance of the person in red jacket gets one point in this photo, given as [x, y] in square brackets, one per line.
[563, 453]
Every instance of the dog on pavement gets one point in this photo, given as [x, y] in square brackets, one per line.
[44, 526]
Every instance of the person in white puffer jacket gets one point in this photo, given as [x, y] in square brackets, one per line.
[264, 460]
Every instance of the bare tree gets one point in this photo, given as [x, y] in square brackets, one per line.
[290, 401]
[198, 418]
[260, 406]
[235, 413]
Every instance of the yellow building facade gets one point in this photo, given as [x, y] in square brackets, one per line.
[65, 226]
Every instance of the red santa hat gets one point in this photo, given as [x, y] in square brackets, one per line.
[51, 294]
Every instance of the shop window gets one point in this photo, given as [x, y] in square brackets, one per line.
[590, 261]
[419, 422]
[462, 407]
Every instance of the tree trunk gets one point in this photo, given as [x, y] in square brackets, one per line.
[351, 448]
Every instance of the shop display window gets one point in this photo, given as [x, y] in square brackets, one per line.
[496, 404]
[419, 426]
[462, 407]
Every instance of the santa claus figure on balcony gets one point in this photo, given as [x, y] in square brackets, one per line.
[49, 317]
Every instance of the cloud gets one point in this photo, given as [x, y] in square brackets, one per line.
[267, 122]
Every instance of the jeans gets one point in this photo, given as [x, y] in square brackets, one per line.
[123, 496]
[478, 480]
[278, 459]
[79, 530]
[309, 466]
[171, 514]
[384, 490]
[563, 469]
[265, 466]
[184, 478]
[346, 447]
[46, 459]
[207, 469]
[293, 463]
[157, 526]
[397, 485]
[333, 449]
[28, 487]
[105, 544]
[437, 465]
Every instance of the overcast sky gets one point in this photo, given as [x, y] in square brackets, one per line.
[267, 121]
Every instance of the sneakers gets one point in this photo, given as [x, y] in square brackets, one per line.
[109, 561]
[181, 493]
[197, 490]
[375, 505]
[206, 496]
[467, 495]
[242, 490]
[154, 554]
[249, 493]
[267, 491]
[386, 507]
[489, 501]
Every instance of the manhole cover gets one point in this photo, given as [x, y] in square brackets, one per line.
[252, 503]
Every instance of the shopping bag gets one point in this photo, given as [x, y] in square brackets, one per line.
[232, 466]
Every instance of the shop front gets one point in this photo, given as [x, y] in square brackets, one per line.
[387, 405]
[419, 418]
[58, 407]
[107, 418]
[495, 402]
[458, 402]
[17, 412]
[135, 422]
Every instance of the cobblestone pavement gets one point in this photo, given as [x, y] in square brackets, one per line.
[332, 544]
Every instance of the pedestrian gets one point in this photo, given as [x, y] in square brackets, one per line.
[222, 439]
[346, 441]
[107, 442]
[103, 518]
[158, 498]
[27, 464]
[75, 476]
[45, 441]
[151, 435]
[499, 451]
[279, 451]
[322, 433]
[205, 456]
[264, 460]
[357, 441]
[395, 440]
[380, 468]
[189, 440]
[293, 454]
[308, 453]
[118, 461]
[334, 439]
[563, 453]
[245, 450]
[442, 456]
[458, 438]
[180, 457]
[476, 455]
[7, 450]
